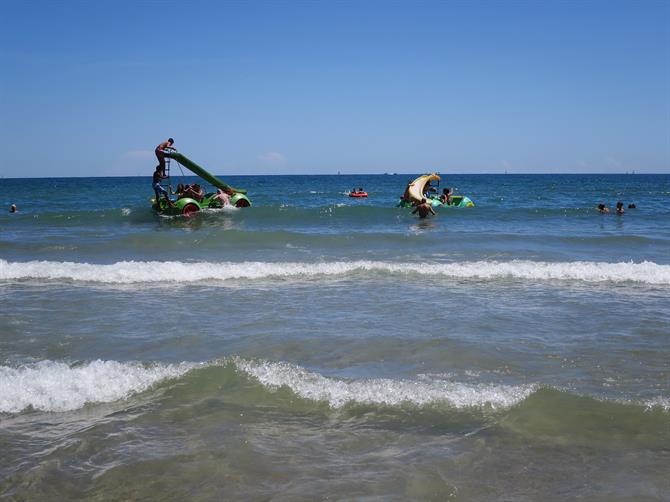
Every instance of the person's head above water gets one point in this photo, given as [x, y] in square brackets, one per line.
[12, 208]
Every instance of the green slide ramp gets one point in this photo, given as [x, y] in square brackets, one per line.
[207, 176]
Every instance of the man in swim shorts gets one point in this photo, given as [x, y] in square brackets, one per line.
[160, 153]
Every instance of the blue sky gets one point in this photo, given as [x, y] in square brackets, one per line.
[90, 88]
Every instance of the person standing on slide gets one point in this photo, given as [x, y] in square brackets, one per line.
[160, 154]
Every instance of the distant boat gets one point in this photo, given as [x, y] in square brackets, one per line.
[390, 174]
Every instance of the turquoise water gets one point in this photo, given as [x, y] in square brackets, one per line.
[317, 346]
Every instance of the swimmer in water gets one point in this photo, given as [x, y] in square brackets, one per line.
[223, 197]
[424, 209]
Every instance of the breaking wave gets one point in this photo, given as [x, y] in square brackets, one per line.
[131, 272]
[425, 390]
[53, 386]
[57, 386]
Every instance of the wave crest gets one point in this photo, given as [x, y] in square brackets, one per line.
[424, 391]
[132, 272]
[56, 386]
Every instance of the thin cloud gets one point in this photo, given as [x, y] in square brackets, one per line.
[272, 157]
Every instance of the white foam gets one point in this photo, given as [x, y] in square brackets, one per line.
[658, 402]
[56, 386]
[130, 272]
[224, 209]
[337, 393]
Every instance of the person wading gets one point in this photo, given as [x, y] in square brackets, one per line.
[424, 209]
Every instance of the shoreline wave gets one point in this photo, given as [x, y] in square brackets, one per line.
[53, 386]
[171, 272]
[58, 386]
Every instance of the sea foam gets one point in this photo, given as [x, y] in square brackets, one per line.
[57, 386]
[383, 391]
[660, 402]
[169, 272]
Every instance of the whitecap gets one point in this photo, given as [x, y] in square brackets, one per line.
[658, 402]
[382, 391]
[57, 386]
[132, 272]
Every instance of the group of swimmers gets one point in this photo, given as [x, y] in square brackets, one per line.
[196, 192]
[603, 209]
[431, 193]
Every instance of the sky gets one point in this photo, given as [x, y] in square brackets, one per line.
[317, 87]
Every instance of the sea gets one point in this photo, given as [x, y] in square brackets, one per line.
[320, 347]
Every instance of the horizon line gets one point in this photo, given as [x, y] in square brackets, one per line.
[626, 173]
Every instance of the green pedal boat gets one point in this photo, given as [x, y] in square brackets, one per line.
[189, 205]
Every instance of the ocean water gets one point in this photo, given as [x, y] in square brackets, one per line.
[316, 347]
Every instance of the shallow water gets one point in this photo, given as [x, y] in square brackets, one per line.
[317, 346]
